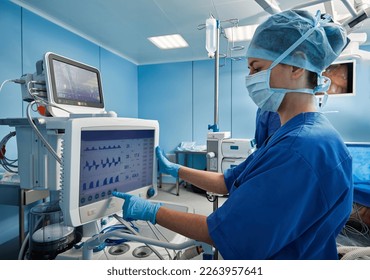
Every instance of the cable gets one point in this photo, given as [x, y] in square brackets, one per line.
[34, 127]
[18, 81]
[22, 250]
[354, 253]
[153, 228]
[113, 242]
[122, 221]
[3, 83]
[8, 164]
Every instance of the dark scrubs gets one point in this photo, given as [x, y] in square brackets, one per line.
[289, 199]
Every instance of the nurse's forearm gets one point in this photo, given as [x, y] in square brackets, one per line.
[206, 180]
[190, 225]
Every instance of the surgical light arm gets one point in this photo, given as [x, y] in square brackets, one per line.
[353, 21]
[269, 6]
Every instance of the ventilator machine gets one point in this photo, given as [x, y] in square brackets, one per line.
[81, 154]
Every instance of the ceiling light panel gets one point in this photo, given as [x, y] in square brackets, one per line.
[240, 33]
[166, 42]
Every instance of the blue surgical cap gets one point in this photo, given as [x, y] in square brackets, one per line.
[280, 31]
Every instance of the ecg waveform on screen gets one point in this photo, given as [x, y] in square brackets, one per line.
[102, 148]
[106, 163]
[123, 164]
[101, 183]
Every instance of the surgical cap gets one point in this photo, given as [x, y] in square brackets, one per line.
[273, 37]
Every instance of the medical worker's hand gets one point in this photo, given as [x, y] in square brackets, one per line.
[165, 166]
[136, 208]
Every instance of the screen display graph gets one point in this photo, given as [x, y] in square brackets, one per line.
[114, 160]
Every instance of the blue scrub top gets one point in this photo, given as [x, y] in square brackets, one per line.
[266, 124]
[290, 199]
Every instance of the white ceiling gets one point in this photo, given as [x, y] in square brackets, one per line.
[123, 26]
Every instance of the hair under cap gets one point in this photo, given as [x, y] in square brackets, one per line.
[280, 31]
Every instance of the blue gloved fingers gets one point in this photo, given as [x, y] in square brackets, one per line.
[136, 208]
[121, 195]
[165, 166]
[160, 155]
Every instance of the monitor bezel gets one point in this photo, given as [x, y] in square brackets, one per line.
[69, 106]
[357, 144]
[349, 145]
[74, 214]
[351, 77]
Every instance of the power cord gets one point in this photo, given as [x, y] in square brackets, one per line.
[8, 164]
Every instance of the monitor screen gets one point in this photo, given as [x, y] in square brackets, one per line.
[72, 86]
[101, 155]
[342, 76]
[360, 153]
[114, 160]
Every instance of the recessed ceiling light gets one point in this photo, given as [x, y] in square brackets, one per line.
[169, 41]
[240, 33]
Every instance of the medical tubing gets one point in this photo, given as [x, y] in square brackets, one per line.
[46, 103]
[23, 247]
[41, 100]
[133, 231]
[354, 253]
[153, 228]
[34, 127]
[114, 242]
[3, 83]
[98, 239]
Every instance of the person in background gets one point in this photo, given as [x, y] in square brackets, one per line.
[293, 195]
[266, 125]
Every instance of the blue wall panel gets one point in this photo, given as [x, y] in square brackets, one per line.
[120, 85]
[165, 94]
[204, 98]
[10, 67]
[40, 36]
[243, 108]
[11, 106]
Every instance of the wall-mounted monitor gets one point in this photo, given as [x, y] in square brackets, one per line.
[72, 87]
[342, 76]
[102, 155]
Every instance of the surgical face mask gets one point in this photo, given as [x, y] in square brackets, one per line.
[266, 98]
[269, 99]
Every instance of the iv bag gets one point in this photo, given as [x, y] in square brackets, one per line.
[211, 38]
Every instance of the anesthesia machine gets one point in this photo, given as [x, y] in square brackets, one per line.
[81, 154]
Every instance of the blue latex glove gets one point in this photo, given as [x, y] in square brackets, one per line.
[165, 166]
[136, 208]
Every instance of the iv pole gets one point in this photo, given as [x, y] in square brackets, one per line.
[217, 72]
[215, 127]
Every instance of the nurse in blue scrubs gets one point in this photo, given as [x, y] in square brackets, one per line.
[291, 198]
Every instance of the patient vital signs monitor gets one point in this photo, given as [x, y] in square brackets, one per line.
[102, 155]
[72, 87]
